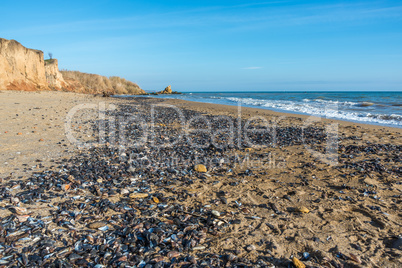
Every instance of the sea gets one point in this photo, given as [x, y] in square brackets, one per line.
[377, 108]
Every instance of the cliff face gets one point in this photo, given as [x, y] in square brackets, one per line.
[53, 76]
[21, 68]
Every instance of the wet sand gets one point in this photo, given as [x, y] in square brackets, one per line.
[274, 202]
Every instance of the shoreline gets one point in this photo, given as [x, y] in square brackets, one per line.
[269, 112]
[302, 113]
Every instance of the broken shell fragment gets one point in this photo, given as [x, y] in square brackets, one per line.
[138, 195]
[302, 209]
[298, 263]
[200, 168]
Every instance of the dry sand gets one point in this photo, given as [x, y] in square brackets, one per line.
[342, 220]
[32, 129]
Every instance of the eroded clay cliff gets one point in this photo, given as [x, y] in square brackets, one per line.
[21, 68]
[54, 78]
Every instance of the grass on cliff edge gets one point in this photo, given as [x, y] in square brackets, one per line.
[96, 84]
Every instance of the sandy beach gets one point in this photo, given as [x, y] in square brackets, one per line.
[271, 191]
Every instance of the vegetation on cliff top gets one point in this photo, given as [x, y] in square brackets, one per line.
[97, 84]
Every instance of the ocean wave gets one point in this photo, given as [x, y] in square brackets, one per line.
[323, 108]
[387, 117]
[345, 103]
[346, 109]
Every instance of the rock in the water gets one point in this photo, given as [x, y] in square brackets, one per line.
[167, 90]
[200, 168]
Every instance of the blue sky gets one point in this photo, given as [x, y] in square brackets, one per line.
[219, 45]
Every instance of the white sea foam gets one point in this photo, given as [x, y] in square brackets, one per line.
[323, 108]
[346, 109]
